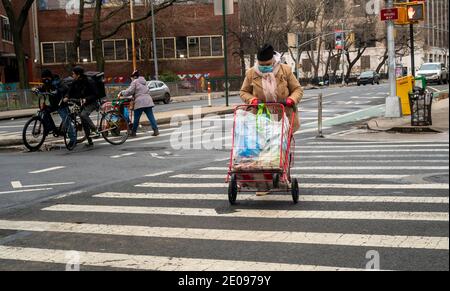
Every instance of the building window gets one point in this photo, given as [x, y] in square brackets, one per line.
[130, 50]
[181, 47]
[165, 48]
[205, 46]
[6, 29]
[365, 62]
[85, 51]
[56, 52]
[115, 50]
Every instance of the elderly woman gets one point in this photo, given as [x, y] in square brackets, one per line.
[271, 81]
[143, 102]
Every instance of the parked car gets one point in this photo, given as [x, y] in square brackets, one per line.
[434, 72]
[368, 77]
[159, 91]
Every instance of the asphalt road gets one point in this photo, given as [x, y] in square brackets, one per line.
[146, 205]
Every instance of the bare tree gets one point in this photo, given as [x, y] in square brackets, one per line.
[17, 23]
[99, 33]
[262, 21]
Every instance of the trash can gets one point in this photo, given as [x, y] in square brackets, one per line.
[420, 101]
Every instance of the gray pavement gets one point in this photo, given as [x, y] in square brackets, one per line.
[146, 205]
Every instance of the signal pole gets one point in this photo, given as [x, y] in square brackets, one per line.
[393, 106]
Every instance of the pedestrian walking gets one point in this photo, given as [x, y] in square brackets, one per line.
[143, 102]
[271, 81]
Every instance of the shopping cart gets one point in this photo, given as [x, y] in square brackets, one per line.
[262, 151]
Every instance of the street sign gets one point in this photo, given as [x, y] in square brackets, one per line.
[389, 14]
[339, 39]
[218, 8]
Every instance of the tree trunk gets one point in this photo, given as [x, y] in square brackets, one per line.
[383, 61]
[21, 60]
[96, 35]
[77, 38]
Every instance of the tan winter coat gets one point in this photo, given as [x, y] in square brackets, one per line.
[287, 86]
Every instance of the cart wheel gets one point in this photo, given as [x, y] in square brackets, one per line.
[276, 181]
[294, 190]
[232, 190]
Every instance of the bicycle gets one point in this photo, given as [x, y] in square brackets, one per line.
[35, 130]
[112, 125]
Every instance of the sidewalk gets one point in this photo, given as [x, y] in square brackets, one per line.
[439, 113]
[161, 117]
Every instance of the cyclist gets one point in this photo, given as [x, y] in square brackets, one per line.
[84, 90]
[53, 85]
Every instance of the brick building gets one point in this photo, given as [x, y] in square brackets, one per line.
[8, 63]
[189, 40]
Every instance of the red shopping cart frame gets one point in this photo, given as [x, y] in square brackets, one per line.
[258, 176]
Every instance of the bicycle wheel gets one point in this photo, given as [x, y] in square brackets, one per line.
[34, 133]
[114, 128]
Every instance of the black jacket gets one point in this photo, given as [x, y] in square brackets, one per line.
[58, 90]
[84, 88]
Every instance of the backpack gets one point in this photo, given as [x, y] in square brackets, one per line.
[98, 80]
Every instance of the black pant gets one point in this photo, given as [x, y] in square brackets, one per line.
[86, 121]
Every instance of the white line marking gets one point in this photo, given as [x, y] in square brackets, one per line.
[302, 185]
[341, 239]
[256, 213]
[302, 176]
[378, 161]
[368, 146]
[303, 198]
[349, 168]
[159, 174]
[377, 150]
[369, 155]
[375, 168]
[47, 170]
[25, 190]
[144, 262]
[18, 185]
[122, 155]
[387, 143]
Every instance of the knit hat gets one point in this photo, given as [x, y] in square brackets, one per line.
[46, 73]
[266, 53]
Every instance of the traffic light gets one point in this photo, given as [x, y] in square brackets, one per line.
[339, 37]
[415, 12]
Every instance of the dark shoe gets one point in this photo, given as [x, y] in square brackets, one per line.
[90, 143]
[133, 134]
[155, 132]
[71, 144]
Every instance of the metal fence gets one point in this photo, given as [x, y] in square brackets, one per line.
[17, 99]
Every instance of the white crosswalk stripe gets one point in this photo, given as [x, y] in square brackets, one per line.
[158, 263]
[402, 200]
[234, 235]
[253, 213]
[304, 198]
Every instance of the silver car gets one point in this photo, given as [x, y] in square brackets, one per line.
[159, 91]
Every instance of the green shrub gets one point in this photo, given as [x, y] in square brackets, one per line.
[169, 77]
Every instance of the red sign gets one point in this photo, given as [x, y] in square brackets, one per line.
[389, 14]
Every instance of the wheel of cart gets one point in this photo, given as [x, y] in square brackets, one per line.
[262, 151]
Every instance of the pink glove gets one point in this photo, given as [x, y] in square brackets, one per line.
[290, 102]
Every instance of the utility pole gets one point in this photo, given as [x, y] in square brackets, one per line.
[343, 55]
[155, 52]
[133, 32]
[411, 39]
[225, 46]
[393, 106]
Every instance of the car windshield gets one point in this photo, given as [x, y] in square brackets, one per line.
[367, 74]
[428, 67]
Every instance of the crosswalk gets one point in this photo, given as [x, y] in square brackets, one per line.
[385, 197]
